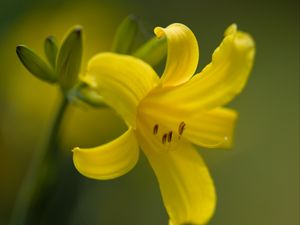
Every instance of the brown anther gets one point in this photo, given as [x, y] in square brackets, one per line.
[164, 138]
[170, 136]
[155, 129]
[181, 128]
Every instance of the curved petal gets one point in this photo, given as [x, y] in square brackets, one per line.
[219, 82]
[122, 82]
[110, 160]
[183, 54]
[212, 128]
[185, 183]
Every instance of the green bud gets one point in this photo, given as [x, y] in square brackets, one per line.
[84, 92]
[91, 97]
[34, 64]
[51, 49]
[125, 35]
[69, 59]
[153, 51]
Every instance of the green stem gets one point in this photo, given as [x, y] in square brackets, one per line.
[30, 191]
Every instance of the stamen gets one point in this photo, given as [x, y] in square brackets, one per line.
[181, 128]
[155, 129]
[164, 138]
[170, 136]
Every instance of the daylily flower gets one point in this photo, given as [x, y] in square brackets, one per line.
[166, 115]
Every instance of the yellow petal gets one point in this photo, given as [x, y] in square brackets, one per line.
[183, 54]
[220, 81]
[185, 183]
[110, 160]
[212, 128]
[122, 82]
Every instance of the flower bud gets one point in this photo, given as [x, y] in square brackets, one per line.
[153, 51]
[34, 64]
[51, 49]
[125, 35]
[69, 59]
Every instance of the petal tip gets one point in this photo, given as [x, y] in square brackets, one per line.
[75, 149]
[232, 29]
[245, 40]
[159, 32]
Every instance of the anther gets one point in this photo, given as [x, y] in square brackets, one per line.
[181, 128]
[155, 129]
[170, 136]
[164, 138]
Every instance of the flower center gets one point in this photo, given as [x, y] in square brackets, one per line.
[168, 138]
[156, 123]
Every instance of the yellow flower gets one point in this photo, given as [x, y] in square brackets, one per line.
[165, 115]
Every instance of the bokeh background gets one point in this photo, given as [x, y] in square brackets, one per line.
[257, 182]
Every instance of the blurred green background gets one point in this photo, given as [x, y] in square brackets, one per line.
[257, 182]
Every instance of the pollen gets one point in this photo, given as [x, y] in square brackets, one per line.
[181, 128]
[164, 138]
[170, 136]
[155, 129]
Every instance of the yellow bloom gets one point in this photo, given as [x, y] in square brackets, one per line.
[165, 115]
